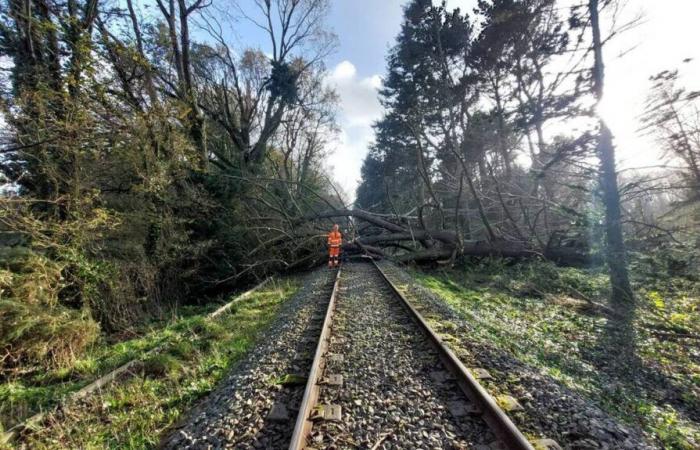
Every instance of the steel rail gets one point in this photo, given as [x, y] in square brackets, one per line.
[303, 425]
[493, 415]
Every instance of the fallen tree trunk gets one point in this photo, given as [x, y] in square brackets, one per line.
[392, 233]
[503, 249]
[447, 237]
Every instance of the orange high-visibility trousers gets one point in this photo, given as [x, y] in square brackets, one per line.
[335, 240]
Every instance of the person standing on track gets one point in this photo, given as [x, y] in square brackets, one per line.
[335, 240]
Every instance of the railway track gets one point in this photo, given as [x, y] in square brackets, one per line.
[382, 378]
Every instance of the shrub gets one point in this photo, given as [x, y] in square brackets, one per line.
[40, 337]
[36, 330]
[29, 276]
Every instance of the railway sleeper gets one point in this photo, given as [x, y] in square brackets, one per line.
[477, 405]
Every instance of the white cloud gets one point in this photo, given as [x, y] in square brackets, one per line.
[359, 108]
[344, 71]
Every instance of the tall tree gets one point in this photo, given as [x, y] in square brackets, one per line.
[446, 154]
[622, 295]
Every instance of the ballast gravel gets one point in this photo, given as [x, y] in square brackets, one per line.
[395, 394]
[253, 408]
[550, 409]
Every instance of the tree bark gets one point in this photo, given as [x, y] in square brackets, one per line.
[447, 242]
[148, 69]
[622, 295]
[197, 124]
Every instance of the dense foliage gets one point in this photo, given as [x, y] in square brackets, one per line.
[141, 165]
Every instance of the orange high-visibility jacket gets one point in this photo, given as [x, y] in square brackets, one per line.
[335, 239]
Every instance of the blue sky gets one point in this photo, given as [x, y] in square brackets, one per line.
[366, 29]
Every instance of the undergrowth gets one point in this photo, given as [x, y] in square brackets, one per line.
[133, 412]
[555, 319]
[37, 331]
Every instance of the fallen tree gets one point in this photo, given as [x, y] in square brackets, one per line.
[288, 232]
[401, 238]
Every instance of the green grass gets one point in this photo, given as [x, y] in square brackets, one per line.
[37, 390]
[133, 412]
[538, 313]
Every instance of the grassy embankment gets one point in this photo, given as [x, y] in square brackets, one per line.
[539, 314]
[134, 411]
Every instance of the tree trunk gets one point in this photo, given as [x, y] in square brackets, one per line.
[198, 129]
[447, 243]
[148, 69]
[618, 337]
[622, 296]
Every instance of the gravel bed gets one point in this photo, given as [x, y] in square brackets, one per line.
[550, 409]
[239, 413]
[395, 393]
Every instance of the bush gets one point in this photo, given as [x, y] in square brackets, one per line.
[36, 330]
[40, 337]
[28, 276]
[667, 260]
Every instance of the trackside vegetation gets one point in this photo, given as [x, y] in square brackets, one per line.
[196, 353]
[553, 318]
[156, 156]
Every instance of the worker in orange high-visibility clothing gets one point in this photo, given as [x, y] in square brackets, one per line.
[335, 240]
